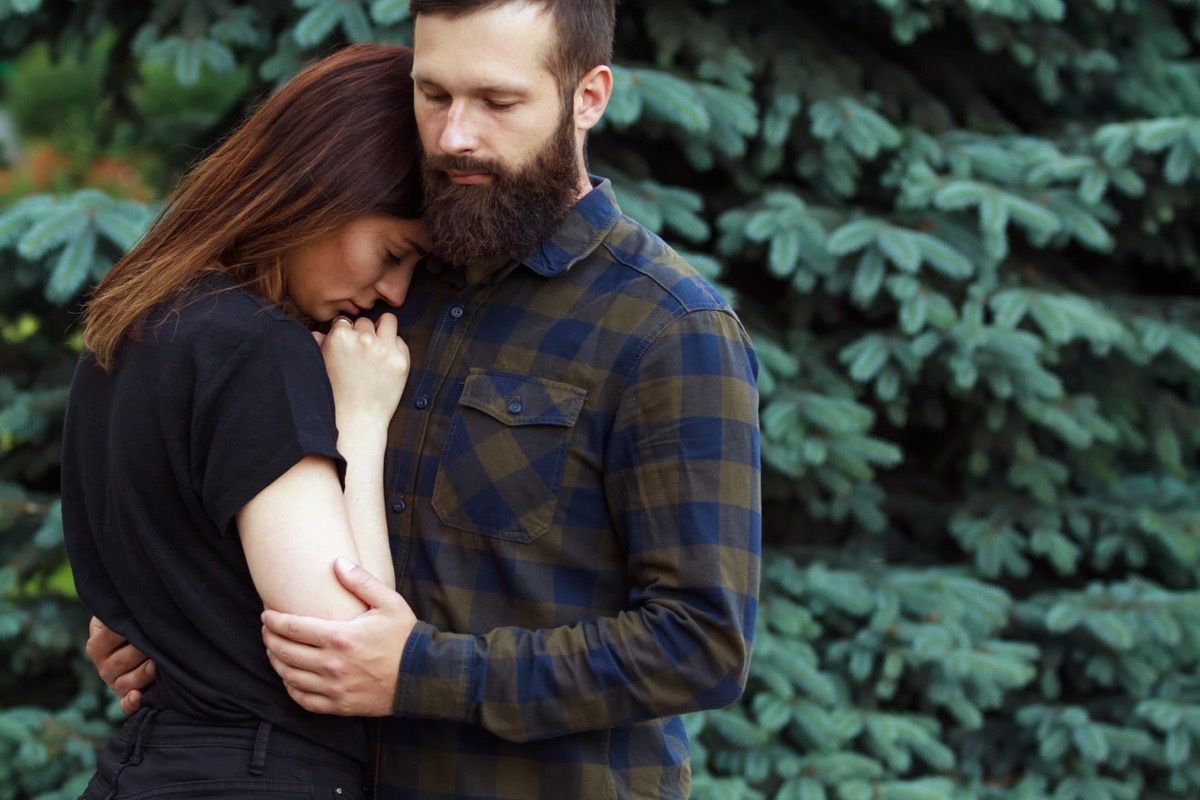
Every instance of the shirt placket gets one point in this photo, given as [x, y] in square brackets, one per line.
[425, 410]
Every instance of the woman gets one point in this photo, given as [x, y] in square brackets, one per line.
[202, 464]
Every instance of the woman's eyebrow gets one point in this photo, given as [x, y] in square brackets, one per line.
[415, 246]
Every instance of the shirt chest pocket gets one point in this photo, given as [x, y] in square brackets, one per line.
[505, 454]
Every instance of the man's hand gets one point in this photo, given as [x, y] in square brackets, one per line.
[122, 666]
[348, 668]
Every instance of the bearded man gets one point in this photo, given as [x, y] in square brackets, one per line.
[573, 472]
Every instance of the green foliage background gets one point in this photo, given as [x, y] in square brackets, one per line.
[961, 233]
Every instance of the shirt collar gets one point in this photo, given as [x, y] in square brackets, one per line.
[585, 226]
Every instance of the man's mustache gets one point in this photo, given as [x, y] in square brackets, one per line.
[443, 163]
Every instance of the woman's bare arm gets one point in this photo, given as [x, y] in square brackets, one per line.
[368, 365]
[292, 532]
[294, 529]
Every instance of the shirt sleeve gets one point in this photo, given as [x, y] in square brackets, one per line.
[259, 409]
[682, 478]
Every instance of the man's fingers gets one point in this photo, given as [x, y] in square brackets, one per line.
[135, 679]
[321, 703]
[363, 585]
[320, 337]
[282, 668]
[131, 702]
[102, 641]
[119, 663]
[122, 667]
[305, 630]
[316, 703]
[296, 677]
[307, 689]
[286, 652]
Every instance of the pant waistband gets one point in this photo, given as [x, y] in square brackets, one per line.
[155, 727]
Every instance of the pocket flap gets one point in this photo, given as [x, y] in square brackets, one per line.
[521, 400]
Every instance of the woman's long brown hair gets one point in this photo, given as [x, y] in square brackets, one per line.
[337, 142]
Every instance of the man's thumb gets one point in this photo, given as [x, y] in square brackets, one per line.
[362, 584]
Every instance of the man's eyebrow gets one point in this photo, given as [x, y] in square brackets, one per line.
[510, 89]
[513, 89]
[421, 251]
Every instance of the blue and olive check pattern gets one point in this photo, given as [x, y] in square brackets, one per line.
[574, 483]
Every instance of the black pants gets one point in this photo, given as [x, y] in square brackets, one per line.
[166, 754]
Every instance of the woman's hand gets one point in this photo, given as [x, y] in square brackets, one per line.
[368, 366]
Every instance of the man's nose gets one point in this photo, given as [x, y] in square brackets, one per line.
[459, 134]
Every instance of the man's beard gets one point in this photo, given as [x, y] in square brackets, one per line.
[487, 225]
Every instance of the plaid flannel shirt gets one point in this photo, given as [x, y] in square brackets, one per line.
[573, 477]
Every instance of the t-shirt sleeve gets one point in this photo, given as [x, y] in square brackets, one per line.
[264, 406]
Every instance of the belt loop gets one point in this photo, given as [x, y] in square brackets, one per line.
[259, 762]
[139, 732]
[135, 727]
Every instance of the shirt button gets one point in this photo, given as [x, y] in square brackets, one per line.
[456, 312]
[422, 402]
[515, 407]
[398, 506]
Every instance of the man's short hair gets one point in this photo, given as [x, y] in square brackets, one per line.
[584, 29]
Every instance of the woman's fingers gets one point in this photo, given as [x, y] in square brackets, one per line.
[386, 326]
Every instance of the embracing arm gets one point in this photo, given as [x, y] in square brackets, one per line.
[683, 474]
[682, 482]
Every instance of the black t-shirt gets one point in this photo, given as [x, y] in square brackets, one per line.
[221, 395]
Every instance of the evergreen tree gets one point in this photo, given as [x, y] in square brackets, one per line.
[961, 234]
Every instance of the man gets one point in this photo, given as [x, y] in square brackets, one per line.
[573, 470]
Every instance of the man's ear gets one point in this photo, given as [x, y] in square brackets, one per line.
[591, 96]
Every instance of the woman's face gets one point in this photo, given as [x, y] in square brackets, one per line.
[371, 258]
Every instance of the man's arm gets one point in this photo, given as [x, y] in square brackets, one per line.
[683, 487]
[123, 667]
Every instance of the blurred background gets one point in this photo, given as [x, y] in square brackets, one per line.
[962, 234]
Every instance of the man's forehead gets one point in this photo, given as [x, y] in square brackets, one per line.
[515, 23]
[488, 51]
